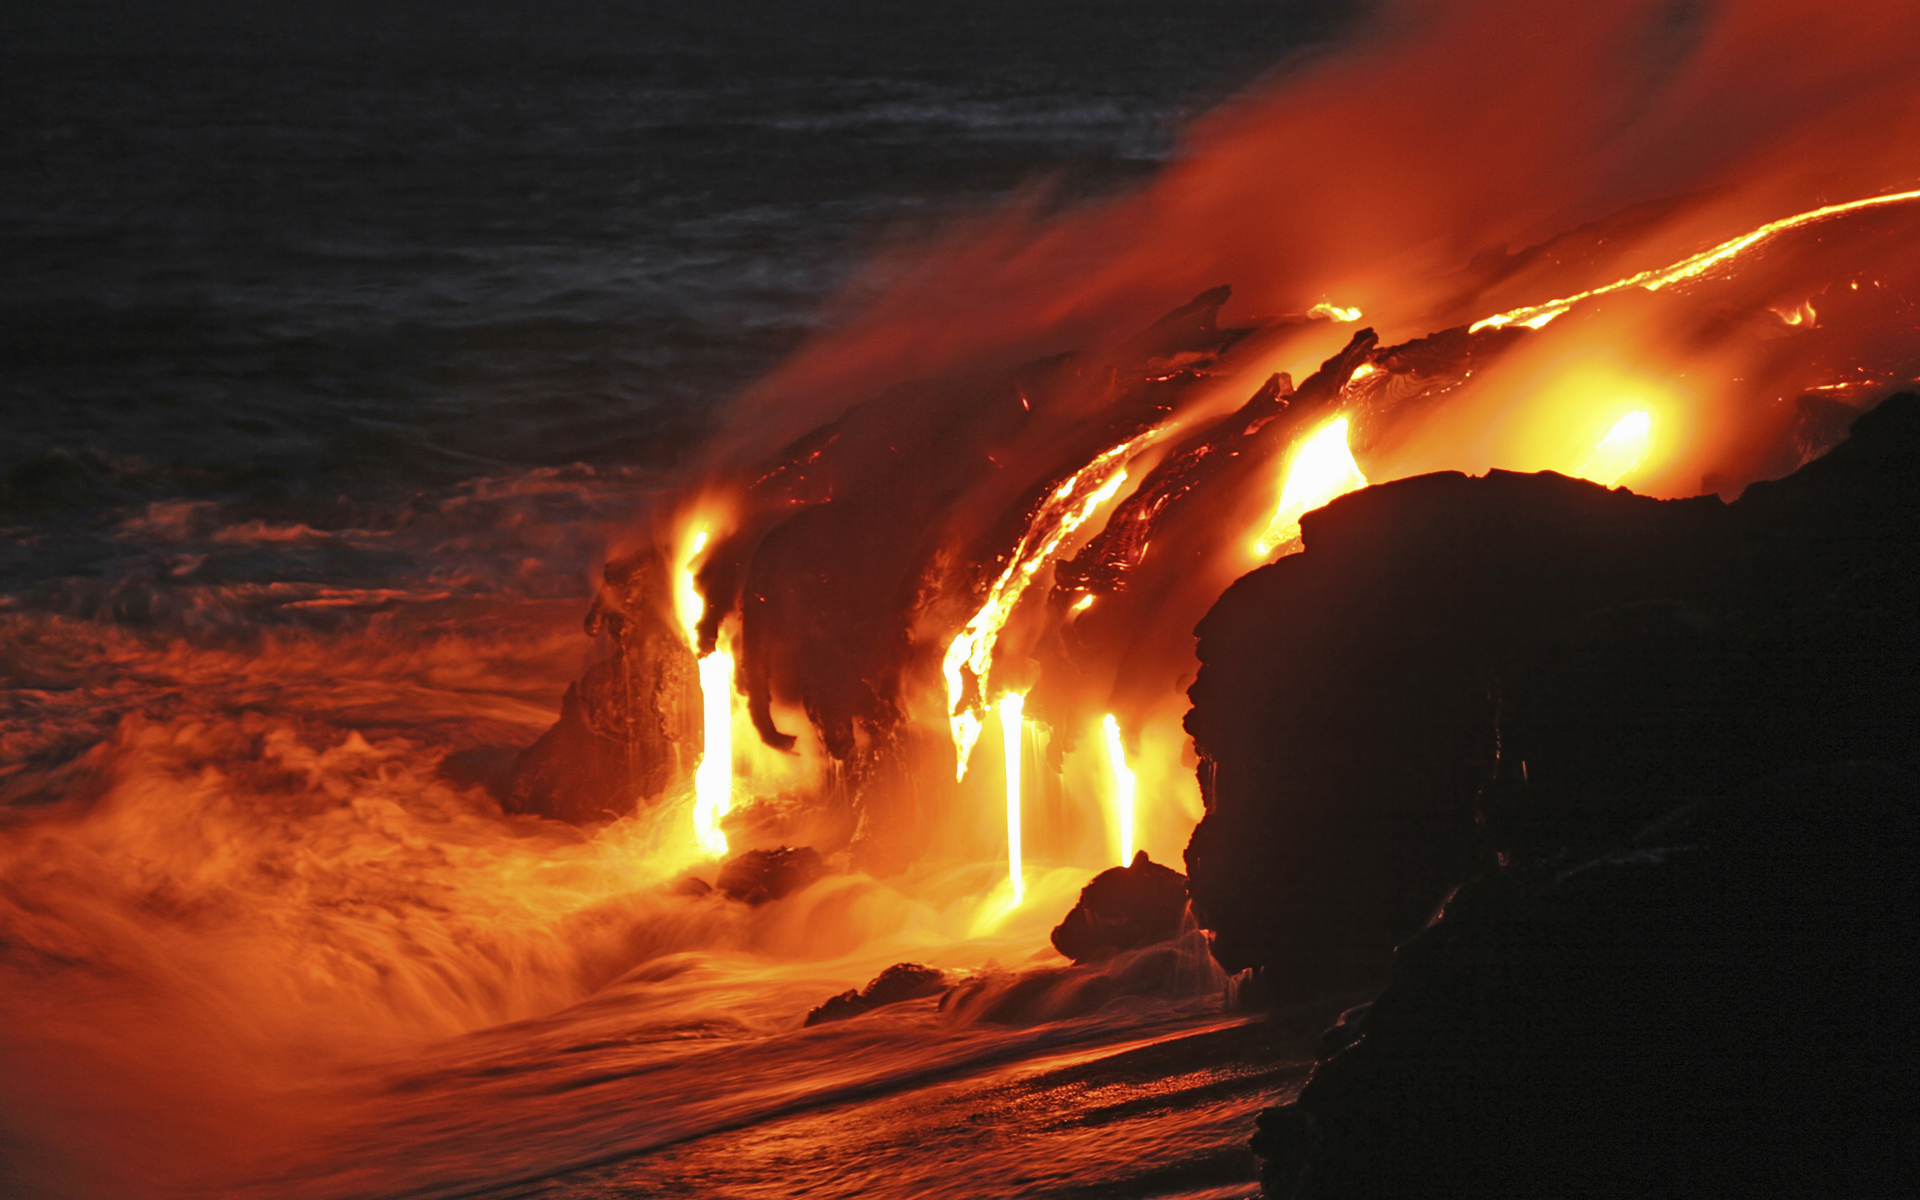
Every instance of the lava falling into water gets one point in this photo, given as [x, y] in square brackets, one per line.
[1123, 787]
[969, 657]
[713, 778]
[1012, 731]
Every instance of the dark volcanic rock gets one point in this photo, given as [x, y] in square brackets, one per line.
[1345, 710]
[840, 541]
[1177, 969]
[1457, 669]
[899, 982]
[1712, 1008]
[758, 876]
[631, 723]
[1686, 734]
[1124, 908]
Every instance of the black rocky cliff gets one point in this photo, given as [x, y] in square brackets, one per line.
[1631, 787]
[1363, 709]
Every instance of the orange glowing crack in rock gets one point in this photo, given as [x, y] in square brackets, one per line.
[1700, 264]
[1320, 469]
[1335, 313]
[1063, 512]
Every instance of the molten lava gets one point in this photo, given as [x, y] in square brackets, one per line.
[1335, 313]
[713, 778]
[688, 605]
[1696, 266]
[1320, 469]
[1012, 731]
[969, 656]
[1621, 451]
[1123, 787]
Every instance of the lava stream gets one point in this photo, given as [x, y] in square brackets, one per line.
[1124, 786]
[1539, 315]
[1012, 726]
[1062, 514]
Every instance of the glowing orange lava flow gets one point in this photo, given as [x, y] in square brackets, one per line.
[1621, 451]
[687, 603]
[1061, 514]
[1123, 788]
[713, 778]
[1012, 726]
[1320, 469]
[1334, 313]
[1689, 268]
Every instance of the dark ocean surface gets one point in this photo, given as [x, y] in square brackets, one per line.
[329, 267]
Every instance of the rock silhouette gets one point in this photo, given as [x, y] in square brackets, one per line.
[758, 876]
[898, 983]
[1124, 908]
[1631, 786]
[1364, 709]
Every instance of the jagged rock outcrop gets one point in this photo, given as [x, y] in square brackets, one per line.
[1666, 754]
[632, 722]
[758, 876]
[1180, 969]
[1364, 709]
[895, 985]
[1124, 908]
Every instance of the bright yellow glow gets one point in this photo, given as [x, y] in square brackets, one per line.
[1333, 312]
[1687, 268]
[1082, 604]
[687, 604]
[1012, 726]
[1621, 451]
[1069, 507]
[1593, 417]
[1799, 314]
[1123, 788]
[713, 778]
[1363, 371]
[1320, 469]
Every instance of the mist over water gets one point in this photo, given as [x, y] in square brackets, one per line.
[339, 347]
